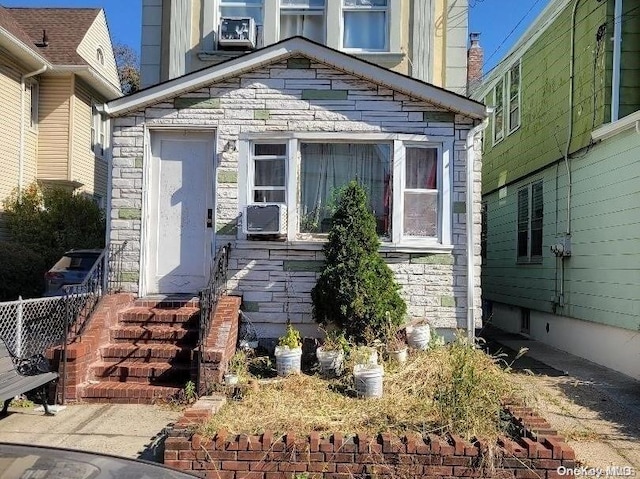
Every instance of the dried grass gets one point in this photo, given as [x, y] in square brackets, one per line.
[455, 388]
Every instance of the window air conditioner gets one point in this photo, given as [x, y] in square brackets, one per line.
[265, 219]
[237, 32]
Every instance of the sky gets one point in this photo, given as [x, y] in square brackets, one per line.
[500, 22]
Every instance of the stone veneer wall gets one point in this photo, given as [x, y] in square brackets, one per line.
[299, 95]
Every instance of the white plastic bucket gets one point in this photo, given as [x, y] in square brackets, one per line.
[418, 337]
[399, 356]
[231, 379]
[288, 360]
[330, 361]
[368, 380]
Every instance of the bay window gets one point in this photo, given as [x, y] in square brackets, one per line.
[407, 178]
[365, 25]
[304, 18]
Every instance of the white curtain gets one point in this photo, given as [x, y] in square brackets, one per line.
[326, 168]
[308, 26]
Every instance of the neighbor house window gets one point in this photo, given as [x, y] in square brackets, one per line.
[327, 167]
[365, 24]
[498, 111]
[303, 17]
[98, 131]
[421, 192]
[514, 81]
[100, 56]
[269, 168]
[530, 216]
[34, 93]
[242, 9]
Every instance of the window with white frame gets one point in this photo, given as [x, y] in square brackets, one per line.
[365, 25]
[421, 192]
[304, 18]
[514, 81]
[34, 93]
[498, 111]
[530, 217]
[269, 172]
[408, 183]
[242, 9]
[325, 168]
[98, 131]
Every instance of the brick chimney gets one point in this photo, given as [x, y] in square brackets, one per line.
[475, 61]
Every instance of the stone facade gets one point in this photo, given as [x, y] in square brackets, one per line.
[300, 95]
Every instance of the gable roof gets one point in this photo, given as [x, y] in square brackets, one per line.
[65, 27]
[298, 46]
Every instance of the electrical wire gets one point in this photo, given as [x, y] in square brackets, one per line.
[513, 29]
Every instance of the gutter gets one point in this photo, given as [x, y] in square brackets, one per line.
[471, 159]
[21, 148]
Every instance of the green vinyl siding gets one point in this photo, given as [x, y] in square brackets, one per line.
[602, 277]
[542, 135]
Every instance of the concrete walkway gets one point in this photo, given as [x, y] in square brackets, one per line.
[124, 430]
[595, 408]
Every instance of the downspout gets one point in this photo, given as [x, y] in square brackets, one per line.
[21, 147]
[471, 159]
[617, 55]
[570, 133]
[567, 148]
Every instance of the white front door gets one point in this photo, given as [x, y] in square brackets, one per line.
[181, 220]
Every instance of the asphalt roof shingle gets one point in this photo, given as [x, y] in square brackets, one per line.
[65, 27]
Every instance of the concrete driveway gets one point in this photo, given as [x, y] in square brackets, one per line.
[596, 409]
[125, 430]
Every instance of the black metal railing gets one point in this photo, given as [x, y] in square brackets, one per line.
[209, 296]
[81, 300]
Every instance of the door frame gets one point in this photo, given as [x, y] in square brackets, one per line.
[145, 253]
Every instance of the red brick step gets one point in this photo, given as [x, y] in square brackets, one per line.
[141, 372]
[154, 334]
[127, 393]
[141, 315]
[146, 352]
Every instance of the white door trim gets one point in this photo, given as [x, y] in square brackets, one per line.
[145, 254]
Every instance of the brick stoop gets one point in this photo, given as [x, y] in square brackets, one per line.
[149, 355]
[140, 350]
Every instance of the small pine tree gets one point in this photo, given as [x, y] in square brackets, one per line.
[356, 288]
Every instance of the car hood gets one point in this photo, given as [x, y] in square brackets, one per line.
[20, 460]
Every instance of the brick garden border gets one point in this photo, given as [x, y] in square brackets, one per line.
[537, 454]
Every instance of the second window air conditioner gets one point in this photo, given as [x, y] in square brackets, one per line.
[237, 32]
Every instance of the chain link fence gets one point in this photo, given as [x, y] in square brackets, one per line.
[30, 326]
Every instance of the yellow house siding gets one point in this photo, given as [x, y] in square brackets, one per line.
[53, 147]
[86, 168]
[98, 37]
[10, 89]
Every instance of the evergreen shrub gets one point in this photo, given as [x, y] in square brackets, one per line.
[356, 288]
